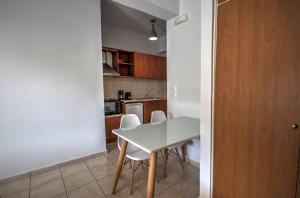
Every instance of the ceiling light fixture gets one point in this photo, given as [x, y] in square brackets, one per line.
[153, 35]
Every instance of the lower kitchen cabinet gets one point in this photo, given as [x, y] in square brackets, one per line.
[111, 122]
[153, 105]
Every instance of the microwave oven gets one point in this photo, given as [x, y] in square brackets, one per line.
[112, 106]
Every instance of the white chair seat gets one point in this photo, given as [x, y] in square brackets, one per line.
[139, 155]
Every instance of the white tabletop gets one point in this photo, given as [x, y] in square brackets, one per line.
[156, 136]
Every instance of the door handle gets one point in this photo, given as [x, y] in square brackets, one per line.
[294, 126]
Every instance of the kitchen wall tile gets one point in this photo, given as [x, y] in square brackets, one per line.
[140, 88]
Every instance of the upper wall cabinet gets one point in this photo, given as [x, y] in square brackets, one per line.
[150, 66]
[138, 65]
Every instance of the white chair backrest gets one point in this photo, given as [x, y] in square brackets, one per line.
[129, 120]
[158, 116]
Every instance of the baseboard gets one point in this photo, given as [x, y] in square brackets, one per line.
[194, 163]
[35, 172]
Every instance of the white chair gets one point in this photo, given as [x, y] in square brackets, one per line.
[159, 116]
[133, 153]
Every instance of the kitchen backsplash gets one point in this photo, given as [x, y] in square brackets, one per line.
[139, 88]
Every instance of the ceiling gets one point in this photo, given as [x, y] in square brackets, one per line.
[113, 13]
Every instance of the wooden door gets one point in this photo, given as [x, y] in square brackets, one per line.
[257, 99]
[298, 185]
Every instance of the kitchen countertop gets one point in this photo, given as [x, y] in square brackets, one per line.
[141, 100]
[114, 115]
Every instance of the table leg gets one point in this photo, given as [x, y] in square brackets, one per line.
[166, 161]
[151, 175]
[183, 149]
[119, 165]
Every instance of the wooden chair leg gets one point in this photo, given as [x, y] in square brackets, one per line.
[162, 154]
[166, 161]
[183, 149]
[177, 153]
[119, 165]
[132, 176]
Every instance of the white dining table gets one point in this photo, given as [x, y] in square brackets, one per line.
[152, 138]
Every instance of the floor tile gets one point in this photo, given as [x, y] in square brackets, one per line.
[113, 155]
[196, 177]
[169, 193]
[73, 168]
[141, 186]
[15, 186]
[103, 170]
[43, 178]
[106, 184]
[24, 194]
[63, 195]
[91, 190]
[187, 188]
[48, 190]
[126, 193]
[78, 179]
[97, 161]
[172, 178]
[188, 170]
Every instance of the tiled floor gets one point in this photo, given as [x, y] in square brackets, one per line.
[94, 177]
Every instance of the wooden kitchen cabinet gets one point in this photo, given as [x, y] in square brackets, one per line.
[139, 69]
[153, 105]
[111, 122]
[150, 66]
[162, 67]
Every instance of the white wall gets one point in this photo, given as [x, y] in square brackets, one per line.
[51, 92]
[121, 38]
[206, 98]
[164, 9]
[183, 57]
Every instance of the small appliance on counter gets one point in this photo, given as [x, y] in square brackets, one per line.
[121, 94]
[112, 106]
[128, 96]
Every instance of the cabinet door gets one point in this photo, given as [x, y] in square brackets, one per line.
[149, 106]
[162, 105]
[154, 105]
[139, 65]
[155, 67]
[110, 124]
[162, 68]
[149, 71]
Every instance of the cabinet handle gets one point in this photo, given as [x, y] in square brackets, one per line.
[294, 126]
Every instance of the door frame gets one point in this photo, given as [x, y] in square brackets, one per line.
[208, 52]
